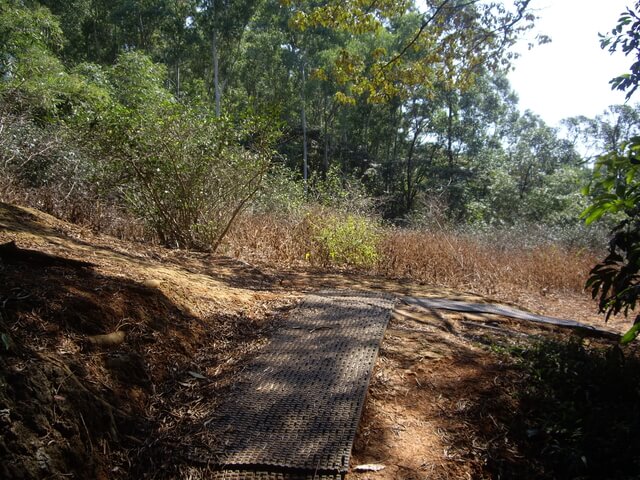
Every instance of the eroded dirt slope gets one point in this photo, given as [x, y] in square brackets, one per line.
[110, 351]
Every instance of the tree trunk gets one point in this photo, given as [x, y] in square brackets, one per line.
[178, 79]
[410, 186]
[450, 131]
[305, 167]
[216, 74]
[394, 155]
[325, 158]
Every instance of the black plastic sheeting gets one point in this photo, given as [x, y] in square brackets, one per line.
[504, 310]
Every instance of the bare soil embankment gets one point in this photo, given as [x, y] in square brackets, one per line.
[114, 354]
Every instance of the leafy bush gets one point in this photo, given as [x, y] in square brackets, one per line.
[281, 193]
[138, 82]
[186, 173]
[344, 240]
[579, 410]
[32, 77]
[616, 190]
[340, 192]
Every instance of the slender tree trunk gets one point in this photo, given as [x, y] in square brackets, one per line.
[343, 157]
[410, 186]
[141, 31]
[450, 131]
[216, 73]
[305, 170]
[96, 42]
[409, 174]
[394, 154]
[325, 133]
[178, 79]
[387, 162]
[524, 182]
[325, 160]
[365, 132]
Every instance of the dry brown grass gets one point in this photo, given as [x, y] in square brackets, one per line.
[435, 257]
[445, 259]
[438, 258]
[269, 239]
[78, 207]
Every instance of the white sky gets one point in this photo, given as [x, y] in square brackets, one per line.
[570, 75]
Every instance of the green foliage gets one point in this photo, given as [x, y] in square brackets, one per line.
[185, 172]
[348, 240]
[624, 36]
[615, 188]
[631, 334]
[446, 42]
[281, 193]
[615, 184]
[138, 82]
[340, 192]
[615, 192]
[26, 31]
[33, 77]
[579, 409]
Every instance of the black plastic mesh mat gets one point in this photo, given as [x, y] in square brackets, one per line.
[297, 407]
[228, 474]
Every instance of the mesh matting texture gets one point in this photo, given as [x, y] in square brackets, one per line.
[297, 407]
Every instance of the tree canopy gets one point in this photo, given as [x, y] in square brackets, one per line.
[406, 103]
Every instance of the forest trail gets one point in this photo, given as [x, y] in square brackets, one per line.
[294, 412]
[185, 325]
[297, 406]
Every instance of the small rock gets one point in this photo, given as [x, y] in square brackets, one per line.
[152, 283]
[369, 467]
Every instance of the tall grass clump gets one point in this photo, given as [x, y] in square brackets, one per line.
[332, 225]
[446, 258]
[485, 260]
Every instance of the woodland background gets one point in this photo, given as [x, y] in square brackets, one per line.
[326, 130]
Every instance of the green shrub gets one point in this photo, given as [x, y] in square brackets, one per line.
[187, 174]
[33, 80]
[349, 240]
[343, 193]
[281, 193]
[579, 412]
[138, 82]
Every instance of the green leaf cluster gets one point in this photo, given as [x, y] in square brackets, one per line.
[350, 241]
[615, 192]
[615, 189]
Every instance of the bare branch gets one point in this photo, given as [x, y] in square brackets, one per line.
[425, 23]
[521, 12]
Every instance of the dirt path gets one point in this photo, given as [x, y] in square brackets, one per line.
[444, 401]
